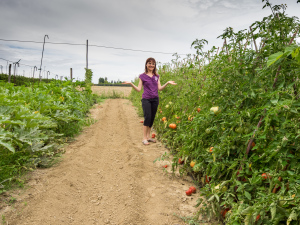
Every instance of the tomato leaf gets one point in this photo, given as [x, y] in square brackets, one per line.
[293, 216]
[248, 195]
[273, 58]
[273, 210]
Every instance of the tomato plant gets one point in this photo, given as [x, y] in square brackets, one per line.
[249, 98]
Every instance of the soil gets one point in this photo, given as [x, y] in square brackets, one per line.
[106, 176]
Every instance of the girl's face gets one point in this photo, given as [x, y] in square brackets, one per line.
[150, 66]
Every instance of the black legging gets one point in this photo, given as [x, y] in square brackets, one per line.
[149, 107]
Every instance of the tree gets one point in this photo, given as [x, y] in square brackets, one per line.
[101, 80]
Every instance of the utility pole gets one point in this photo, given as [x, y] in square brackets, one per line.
[87, 51]
[42, 56]
[71, 73]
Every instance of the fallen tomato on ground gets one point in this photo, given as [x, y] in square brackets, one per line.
[193, 189]
[188, 192]
[165, 166]
[153, 135]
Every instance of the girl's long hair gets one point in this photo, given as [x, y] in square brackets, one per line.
[149, 60]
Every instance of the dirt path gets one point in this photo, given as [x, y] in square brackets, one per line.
[106, 177]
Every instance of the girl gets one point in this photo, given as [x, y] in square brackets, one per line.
[151, 82]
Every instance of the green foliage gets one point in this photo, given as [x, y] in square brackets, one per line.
[257, 92]
[35, 121]
[21, 80]
[88, 76]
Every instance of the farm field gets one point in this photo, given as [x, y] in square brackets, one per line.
[106, 177]
[108, 90]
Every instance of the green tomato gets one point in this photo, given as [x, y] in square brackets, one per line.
[239, 130]
[246, 130]
[196, 168]
[208, 131]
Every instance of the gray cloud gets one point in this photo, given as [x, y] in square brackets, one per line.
[158, 25]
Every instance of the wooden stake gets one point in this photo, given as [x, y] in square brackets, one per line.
[9, 73]
[253, 40]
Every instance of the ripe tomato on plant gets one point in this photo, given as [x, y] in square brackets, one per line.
[207, 179]
[192, 164]
[173, 126]
[257, 217]
[180, 161]
[265, 176]
[224, 211]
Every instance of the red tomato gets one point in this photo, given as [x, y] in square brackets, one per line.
[142, 121]
[180, 161]
[224, 211]
[193, 189]
[165, 166]
[188, 192]
[207, 179]
[153, 135]
[257, 218]
[265, 176]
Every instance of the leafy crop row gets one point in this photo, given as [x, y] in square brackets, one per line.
[246, 151]
[35, 120]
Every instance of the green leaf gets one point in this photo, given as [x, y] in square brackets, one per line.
[290, 49]
[274, 101]
[248, 210]
[217, 197]
[8, 146]
[273, 58]
[293, 216]
[248, 195]
[211, 198]
[273, 210]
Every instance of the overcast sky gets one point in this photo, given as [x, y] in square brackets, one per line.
[168, 26]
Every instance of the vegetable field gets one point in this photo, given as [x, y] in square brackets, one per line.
[35, 121]
[236, 116]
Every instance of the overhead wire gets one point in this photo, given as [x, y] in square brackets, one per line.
[92, 45]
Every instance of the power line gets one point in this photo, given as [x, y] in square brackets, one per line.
[98, 46]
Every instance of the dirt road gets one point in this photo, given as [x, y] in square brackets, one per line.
[107, 176]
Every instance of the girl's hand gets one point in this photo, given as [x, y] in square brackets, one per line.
[126, 82]
[172, 82]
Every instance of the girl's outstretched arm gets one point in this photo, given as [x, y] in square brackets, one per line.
[160, 88]
[137, 88]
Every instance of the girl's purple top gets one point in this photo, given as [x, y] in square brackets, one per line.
[150, 86]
